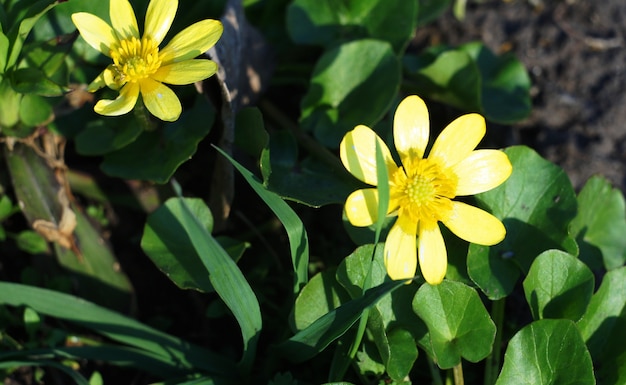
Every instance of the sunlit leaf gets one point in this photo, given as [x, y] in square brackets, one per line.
[327, 22]
[603, 327]
[370, 77]
[558, 286]
[547, 352]
[600, 224]
[457, 321]
[537, 202]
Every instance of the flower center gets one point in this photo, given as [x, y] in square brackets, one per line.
[423, 191]
[135, 59]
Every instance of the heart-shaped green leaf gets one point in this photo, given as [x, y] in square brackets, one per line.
[547, 352]
[369, 74]
[537, 202]
[558, 286]
[600, 224]
[326, 22]
[457, 321]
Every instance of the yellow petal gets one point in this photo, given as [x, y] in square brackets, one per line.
[159, 18]
[160, 100]
[474, 225]
[432, 254]
[124, 102]
[362, 207]
[96, 32]
[458, 140]
[481, 171]
[192, 41]
[123, 19]
[358, 154]
[410, 128]
[185, 72]
[400, 250]
[98, 82]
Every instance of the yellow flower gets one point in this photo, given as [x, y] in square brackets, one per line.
[421, 189]
[138, 64]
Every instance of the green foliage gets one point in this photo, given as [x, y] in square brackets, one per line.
[268, 284]
[537, 202]
[547, 352]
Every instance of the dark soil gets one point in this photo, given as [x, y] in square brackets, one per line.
[574, 53]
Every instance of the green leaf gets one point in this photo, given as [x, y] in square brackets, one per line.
[31, 242]
[167, 243]
[10, 106]
[155, 155]
[298, 239]
[34, 110]
[600, 224]
[603, 327]
[18, 35]
[4, 51]
[226, 278]
[34, 81]
[114, 326]
[430, 10]
[96, 272]
[103, 136]
[71, 373]
[547, 352]
[320, 295]
[369, 74]
[457, 321]
[472, 78]
[558, 286]
[321, 333]
[391, 321]
[537, 202]
[327, 22]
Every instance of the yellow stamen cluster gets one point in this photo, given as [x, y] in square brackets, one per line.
[423, 191]
[135, 59]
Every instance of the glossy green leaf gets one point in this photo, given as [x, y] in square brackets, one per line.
[155, 155]
[4, 51]
[102, 136]
[547, 352]
[326, 22]
[370, 77]
[320, 295]
[250, 134]
[226, 278]
[472, 78]
[18, 33]
[366, 262]
[298, 239]
[558, 286]
[603, 327]
[457, 321]
[537, 202]
[10, 106]
[167, 243]
[113, 325]
[326, 329]
[600, 224]
[34, 110]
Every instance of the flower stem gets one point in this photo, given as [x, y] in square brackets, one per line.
[458, 374]
[492, 365]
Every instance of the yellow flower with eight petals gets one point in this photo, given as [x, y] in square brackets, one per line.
[138, 64]
[421, 189]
